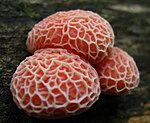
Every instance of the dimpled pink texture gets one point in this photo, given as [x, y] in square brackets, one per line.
[54, 83]
[84, 33]
[118, 73]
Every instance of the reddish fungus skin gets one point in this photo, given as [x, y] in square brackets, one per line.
[84, 33]
[118, 73]
[54, 83]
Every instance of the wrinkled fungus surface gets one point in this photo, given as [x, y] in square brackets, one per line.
[83, 32]
[118, 73]
[58, 80]
[54, 83]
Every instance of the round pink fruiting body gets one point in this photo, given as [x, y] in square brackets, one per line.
[118, 73]
[84, 33]
[54, 83]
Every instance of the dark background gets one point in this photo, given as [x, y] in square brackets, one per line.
[130, 20]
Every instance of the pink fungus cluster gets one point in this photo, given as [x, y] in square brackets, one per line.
[73, 61]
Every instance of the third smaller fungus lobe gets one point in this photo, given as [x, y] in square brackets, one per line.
[118, 73]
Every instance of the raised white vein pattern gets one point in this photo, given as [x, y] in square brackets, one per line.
[84, 32]
[118, 73]
[54, 83]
